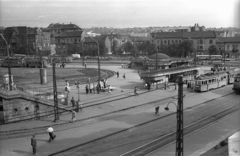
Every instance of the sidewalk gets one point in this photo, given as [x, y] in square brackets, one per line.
[96, 127]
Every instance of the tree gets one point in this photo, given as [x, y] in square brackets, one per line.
[186, 47]
[212, 50]
[115, 46]
[128, 47]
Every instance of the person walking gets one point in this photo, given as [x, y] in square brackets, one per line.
[135, 91]
[157, 110]
[124, 76]
[149, 86]
[86, 89]
[109, 89]
[34, 145]
[117, 74]
[73, 102]
[94, 87]
[51, 135]
[73, 116]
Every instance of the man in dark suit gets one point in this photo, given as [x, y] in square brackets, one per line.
[34, 144]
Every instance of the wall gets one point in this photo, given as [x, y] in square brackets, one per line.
[26, 107]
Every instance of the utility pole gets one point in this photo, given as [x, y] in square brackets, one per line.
[56, 115]
[179, 135]
[8, 55]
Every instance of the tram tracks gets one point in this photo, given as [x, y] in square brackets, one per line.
[147, 149]
[84, 147]
[65, 126]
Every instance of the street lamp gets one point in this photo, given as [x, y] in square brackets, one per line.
[195, 55]
[78, 102]
[223, 50]
[89, 34]
[83, 52]
[167, 108]
[157, 50]
[9, 68]
[179, 133]
[77, 85]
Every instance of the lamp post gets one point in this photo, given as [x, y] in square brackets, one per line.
[179, 132]
[195, 55]
[223, 51]
[83, 52]
[9, 68]
[78, 102]
[98, 90]
[157, 50]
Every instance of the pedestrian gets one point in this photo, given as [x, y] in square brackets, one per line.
[90, 87]
[117, 74]
[94, 87]
[85, 65]
[122, 65]
[86, 89]
[135, 91]
[109, 89]
[124, 76]
[34, 145]
[73, 102]
[67, 83]
[149, 86]
[138, 72]
[73, 116]
[157, 110]
[51, 135]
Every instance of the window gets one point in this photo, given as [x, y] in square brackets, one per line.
[165, 41]
[210, 41]
[201, 47]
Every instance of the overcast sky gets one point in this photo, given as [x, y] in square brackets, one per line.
[120, 13]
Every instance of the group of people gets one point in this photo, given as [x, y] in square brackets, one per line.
[52, 136]
[124, 76]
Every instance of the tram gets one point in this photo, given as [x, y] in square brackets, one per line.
[169, 75]
[28, 62]
[36, 63]
[236, 84]
[209, 57]
[13, 62]
[211, 81]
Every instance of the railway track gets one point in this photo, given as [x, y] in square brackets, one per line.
[62, 126]
[86, 146]
[65, 126]
[147, 149]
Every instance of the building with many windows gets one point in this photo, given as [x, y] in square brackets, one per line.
[229, 46]
[68, 42]
[201, 39]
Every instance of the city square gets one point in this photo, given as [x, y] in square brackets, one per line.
[114, 87]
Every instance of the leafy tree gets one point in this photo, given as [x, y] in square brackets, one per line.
[115, 46]
[186, 47]
[128, 47]
[212, 50]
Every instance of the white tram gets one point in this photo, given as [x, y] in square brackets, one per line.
[211, 81]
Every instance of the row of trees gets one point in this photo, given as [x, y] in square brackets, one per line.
[183, 49]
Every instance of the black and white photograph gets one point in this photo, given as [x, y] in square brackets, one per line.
[120, 77]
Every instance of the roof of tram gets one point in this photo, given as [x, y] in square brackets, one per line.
[163, 72]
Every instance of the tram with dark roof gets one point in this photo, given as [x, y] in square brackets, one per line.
[170, 75]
